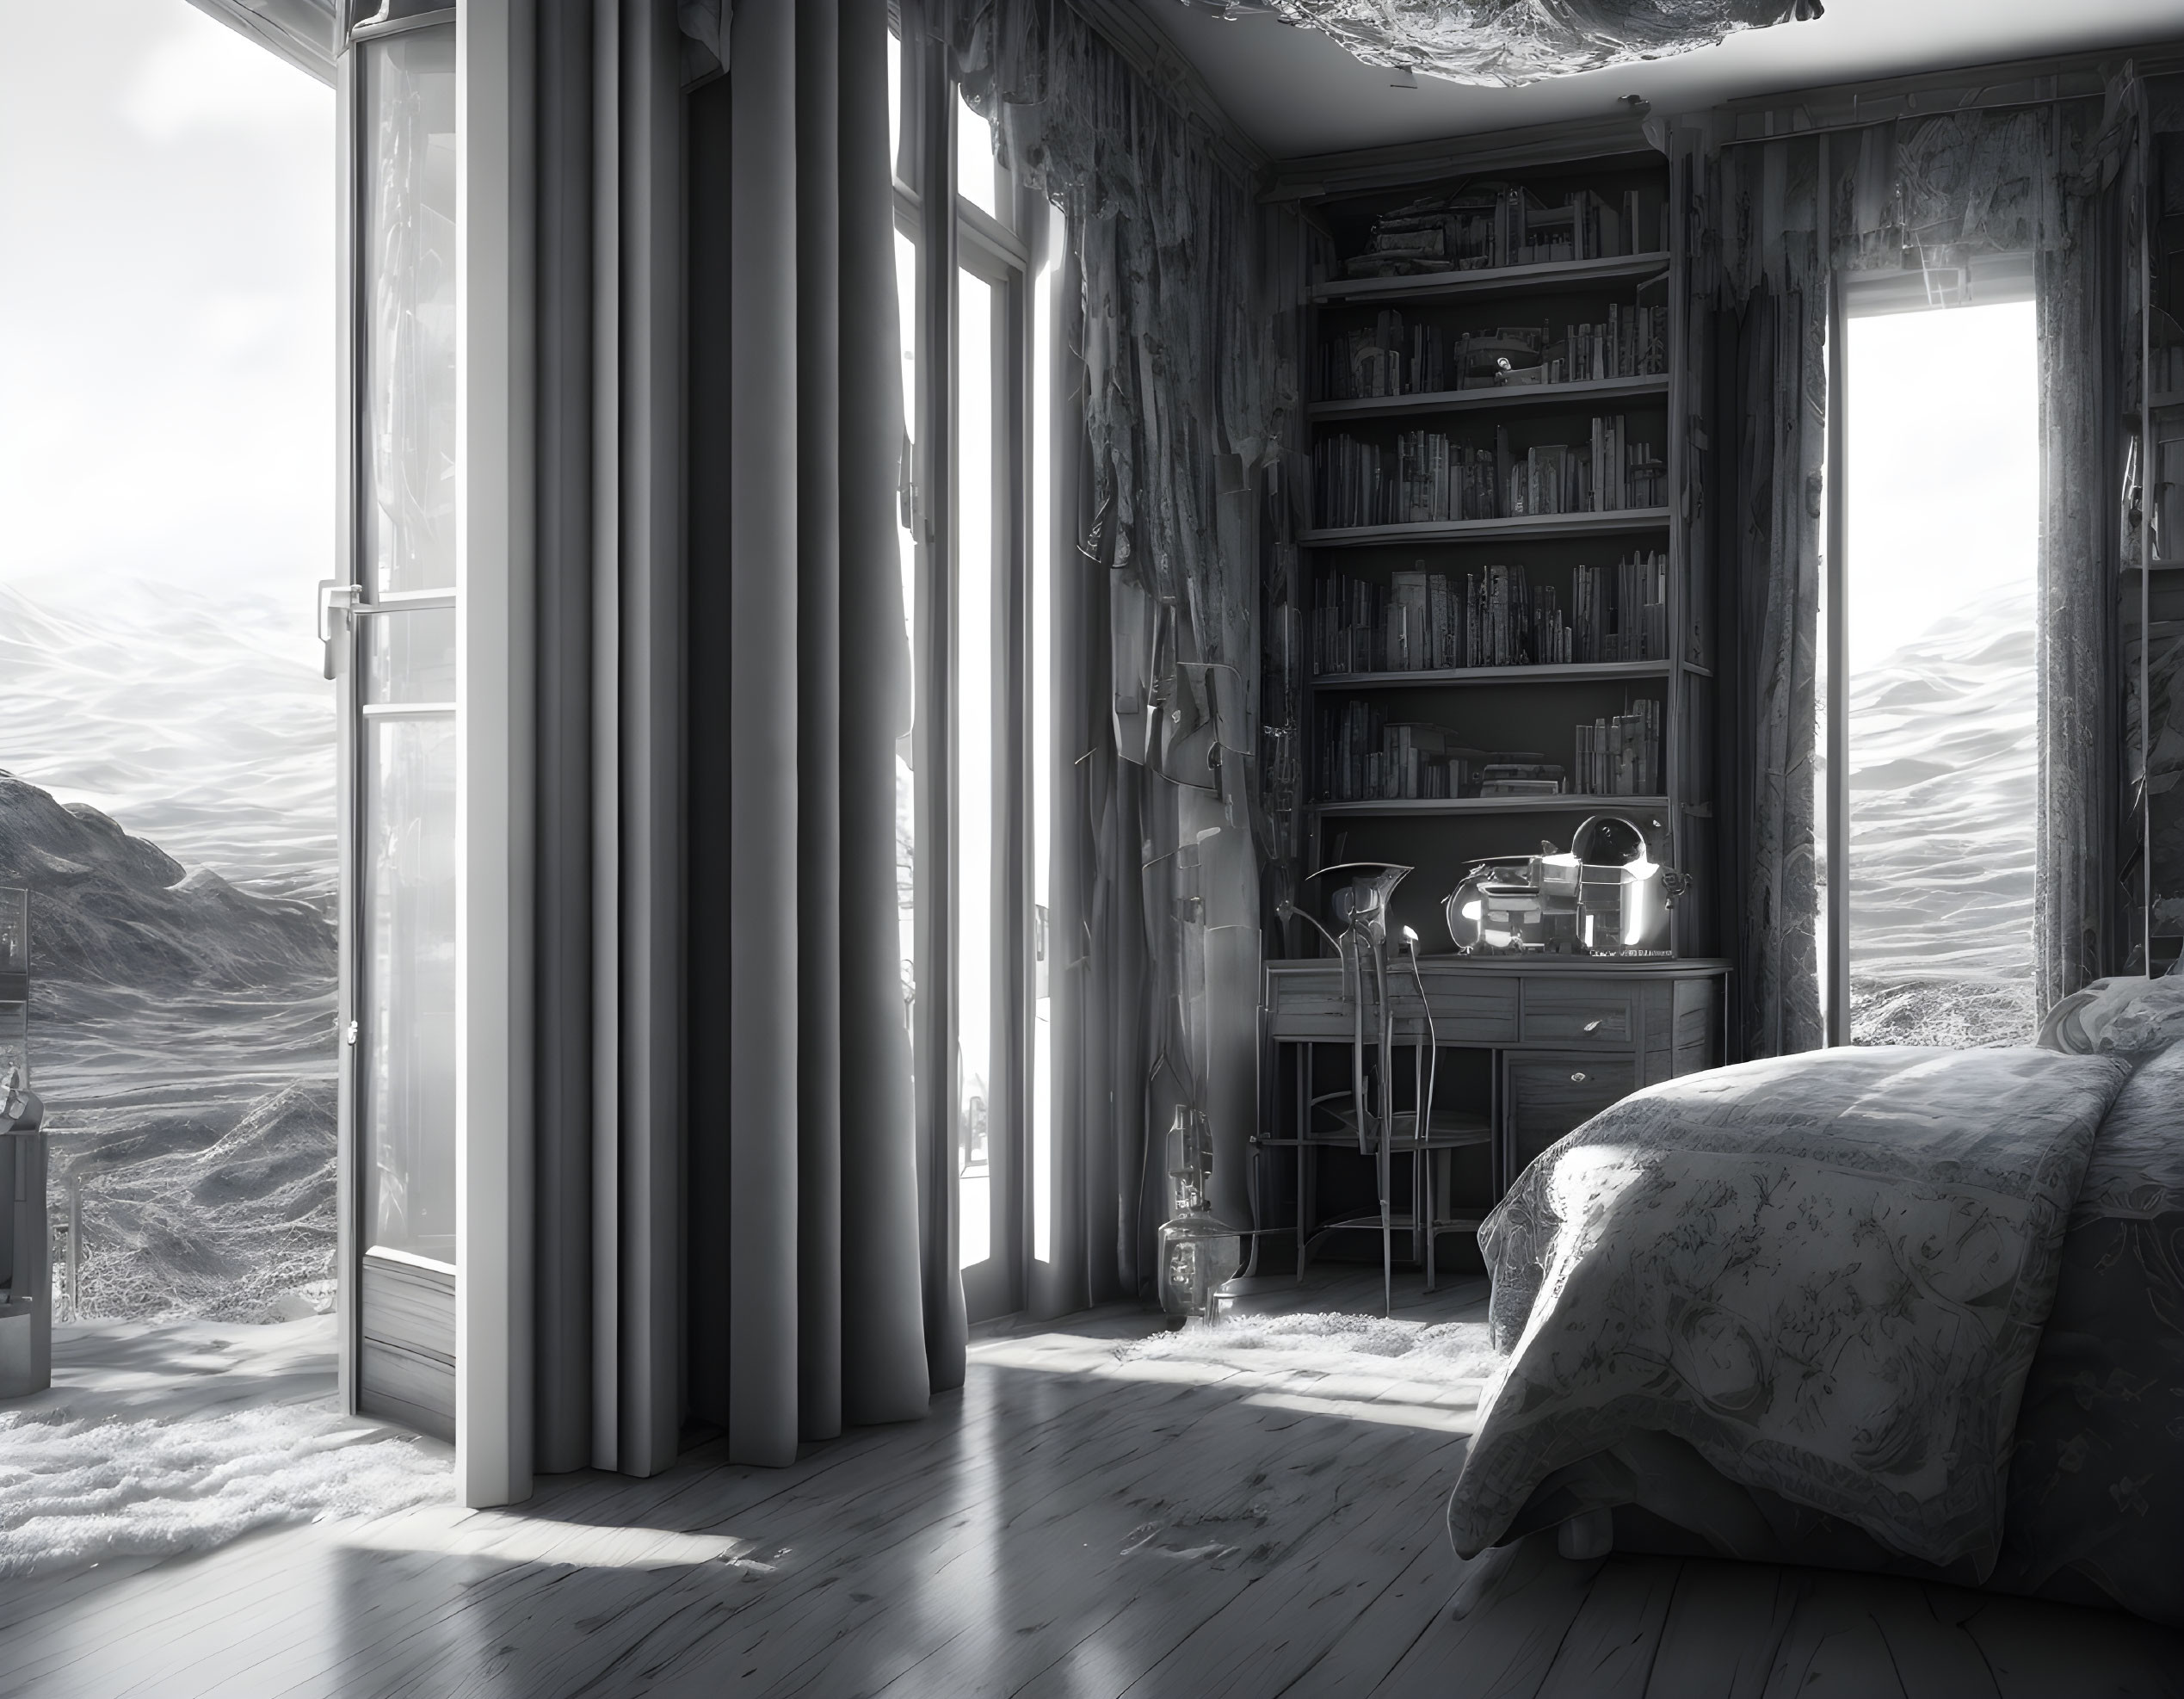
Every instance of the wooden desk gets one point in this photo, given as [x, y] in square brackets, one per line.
[1554, 1039]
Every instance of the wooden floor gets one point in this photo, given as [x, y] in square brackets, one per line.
[1063, 1525]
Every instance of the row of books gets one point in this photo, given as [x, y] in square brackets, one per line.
[1365, 756]
[1621, 612]
[1621, 755]
[1489, 225]
[1391, 358]
[1424, 477]
[1423, 622]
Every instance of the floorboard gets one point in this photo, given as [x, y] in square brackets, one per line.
[1066, 1523]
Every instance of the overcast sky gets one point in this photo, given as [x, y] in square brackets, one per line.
[1944, 468]
[167, 218]
[166, 343]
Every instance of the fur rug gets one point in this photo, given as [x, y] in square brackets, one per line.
[75, 1490]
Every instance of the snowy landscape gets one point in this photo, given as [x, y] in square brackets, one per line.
[167, 798]
[1943, 778]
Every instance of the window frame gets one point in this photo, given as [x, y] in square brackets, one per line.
[1988, 279]
[968, 240]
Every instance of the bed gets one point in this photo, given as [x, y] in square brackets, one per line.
[1908, 1310]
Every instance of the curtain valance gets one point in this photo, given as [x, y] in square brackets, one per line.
[1918, 193]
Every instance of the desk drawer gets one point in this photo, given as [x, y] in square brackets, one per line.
[1550, 1096]
[1306, 1001]
[1466, 1011]
[1581, 1012]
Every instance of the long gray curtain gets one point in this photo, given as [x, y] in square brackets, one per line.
[1176, 387]
[2076, 653]
[1765, 268]
[607, 1228]
[801, 1201]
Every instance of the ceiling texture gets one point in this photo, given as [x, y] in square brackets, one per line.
[1313, 77]
[1507, 43]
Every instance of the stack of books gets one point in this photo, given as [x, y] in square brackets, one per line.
[1621, 755]
[1426, 479]
[1632, 343]
[1363, 365]
[1531, 777]
[1392, 359]
[1487, 225]
[1431, 621]
[1622, 611]
[1364, 757]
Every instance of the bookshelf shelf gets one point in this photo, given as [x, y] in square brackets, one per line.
[1509, 280]
[1435, 401]
[1569, 802]
[1576, 672]
[1623, 523]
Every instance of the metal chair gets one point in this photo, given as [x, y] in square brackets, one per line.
[1365, 1113]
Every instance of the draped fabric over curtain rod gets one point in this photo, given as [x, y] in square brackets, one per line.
[1775, 227]
[1181, 386]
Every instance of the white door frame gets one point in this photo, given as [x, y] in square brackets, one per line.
[495, 662]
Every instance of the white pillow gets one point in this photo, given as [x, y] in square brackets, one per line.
[2131, 1016]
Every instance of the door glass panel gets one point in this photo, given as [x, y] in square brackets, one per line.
[408, 312]
[410, 656]
[978, 173]
[1047, 356]
[406, 1008]
[975, 656]
[906, 555]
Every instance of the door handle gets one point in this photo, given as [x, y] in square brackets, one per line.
[335, 598]
[1592, 1026]
[1579, 1078]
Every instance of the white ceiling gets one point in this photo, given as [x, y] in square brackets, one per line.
[1294, 92]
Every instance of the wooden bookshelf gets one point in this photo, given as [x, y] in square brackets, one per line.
[1488, 282]
[1552, 672]
[1573, 802]
[1626, 521]
[1525, 708]
[1433, 401]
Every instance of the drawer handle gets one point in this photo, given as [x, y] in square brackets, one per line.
[1592, 1026]
[1579, 1078]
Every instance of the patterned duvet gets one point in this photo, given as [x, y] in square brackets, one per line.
[1826, 1274]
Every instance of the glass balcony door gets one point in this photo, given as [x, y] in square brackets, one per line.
[396, 660]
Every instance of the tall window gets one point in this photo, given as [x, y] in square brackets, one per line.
[981, 316]
[907, 283]
[988, 675]
[973, 782]
[1046, 356]
[1940, 790]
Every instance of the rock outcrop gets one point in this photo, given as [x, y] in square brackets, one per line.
[110, 909]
